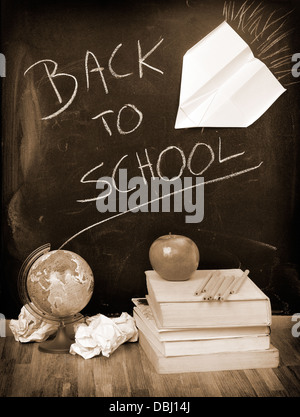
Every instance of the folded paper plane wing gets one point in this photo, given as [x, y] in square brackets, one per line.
[223, 84]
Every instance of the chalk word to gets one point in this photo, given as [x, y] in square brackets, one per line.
[296, 67]
[2, 325]
[296, 326]
[137, 195]
[120, 130]
[2, 65]
[51, 67]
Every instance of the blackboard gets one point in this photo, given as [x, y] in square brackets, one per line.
[92, 87]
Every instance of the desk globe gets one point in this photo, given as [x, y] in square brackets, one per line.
[55, 286]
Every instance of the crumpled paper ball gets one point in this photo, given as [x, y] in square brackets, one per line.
[101, 334]
[28, 328]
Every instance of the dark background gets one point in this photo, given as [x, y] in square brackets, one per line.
[250, 221]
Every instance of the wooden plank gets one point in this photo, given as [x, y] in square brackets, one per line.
[134, 371]
[257, 382]
[20, 381]
[271, 380]
[290, 382]
[7, 368]
[238, 383]
[103, 377]
[85, 374]
[208, 386]
[27, 372]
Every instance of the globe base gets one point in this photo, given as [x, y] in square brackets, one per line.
[60, 344]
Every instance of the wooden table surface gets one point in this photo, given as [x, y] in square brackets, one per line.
[27, 372]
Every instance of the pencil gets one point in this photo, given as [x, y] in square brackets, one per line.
[215, 288]
[212, 286]
[200, 289]
[239, 282]
[226, 281]
[211, 283]
[221, 287]
[226, 288]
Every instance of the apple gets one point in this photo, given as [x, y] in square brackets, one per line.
[174, 257]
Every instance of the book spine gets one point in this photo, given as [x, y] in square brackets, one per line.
[156, 308]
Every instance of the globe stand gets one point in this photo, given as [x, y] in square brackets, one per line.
[60, 344]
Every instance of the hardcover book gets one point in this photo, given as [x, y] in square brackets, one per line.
[196, 341]
[221, 361]
[175, 305]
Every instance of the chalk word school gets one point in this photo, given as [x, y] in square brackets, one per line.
[139, 185]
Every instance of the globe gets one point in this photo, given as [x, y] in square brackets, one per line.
[60, 283]
[55, 286]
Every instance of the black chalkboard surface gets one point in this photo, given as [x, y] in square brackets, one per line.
[93, 87]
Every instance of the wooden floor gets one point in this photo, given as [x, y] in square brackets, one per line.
[27, 372]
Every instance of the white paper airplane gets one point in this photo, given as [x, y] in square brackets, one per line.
[223, 84]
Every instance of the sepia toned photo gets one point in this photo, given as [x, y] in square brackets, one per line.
[150, 198]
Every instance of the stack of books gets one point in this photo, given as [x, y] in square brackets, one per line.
[182, 330]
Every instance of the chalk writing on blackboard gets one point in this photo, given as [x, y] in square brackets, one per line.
[268, 34]
[54, 74]
[186, 162]
[110, 118]
[118, 123]
[51, 68]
